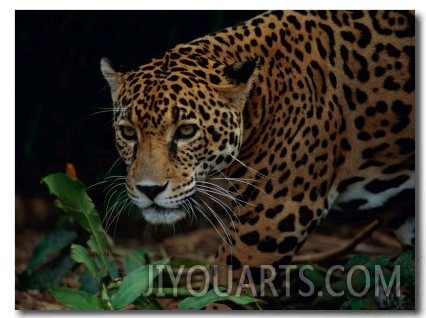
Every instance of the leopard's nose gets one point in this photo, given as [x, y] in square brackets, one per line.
[151, 191]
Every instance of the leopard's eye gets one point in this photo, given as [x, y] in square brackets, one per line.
[127, 132]
[186, 131]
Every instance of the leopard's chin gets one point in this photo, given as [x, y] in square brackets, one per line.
[156, 214]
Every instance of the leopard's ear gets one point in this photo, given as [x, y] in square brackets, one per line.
[112, 77]
[240, 78]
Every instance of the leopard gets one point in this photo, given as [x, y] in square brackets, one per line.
[275, 122]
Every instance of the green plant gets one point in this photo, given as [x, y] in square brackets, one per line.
[363, 283]
[101, 286]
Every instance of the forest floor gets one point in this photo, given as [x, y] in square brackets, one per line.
[334, 240]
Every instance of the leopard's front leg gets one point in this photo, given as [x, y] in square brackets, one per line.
[265, 238]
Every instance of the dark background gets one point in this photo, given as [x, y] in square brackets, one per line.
[61, 95]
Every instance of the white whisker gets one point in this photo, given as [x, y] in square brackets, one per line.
[116, 210]
[220, 191]
[114, 164]
[228, 239]
[96, 184]
[229, 212]
[248, 167]
[241, 181]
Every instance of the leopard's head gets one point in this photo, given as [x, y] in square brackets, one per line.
[177, 120]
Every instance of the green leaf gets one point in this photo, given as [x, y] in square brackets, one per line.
[328, 293]
[406, 258]
[355, 303]
[80, 255]
[51, 243]
[88, 283]
[70, 192]
[73, 199]
[97, 244]
[381, 261]
[359, 278]
[316, 277]
[345, 305]
[407, 263]
[148, 303]
[199, 302]
[76, 299]
[112, 268]
[50, 273]
[134, 284]
[356, 260]
[134, 259]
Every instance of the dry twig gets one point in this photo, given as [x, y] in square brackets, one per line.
[317, 257]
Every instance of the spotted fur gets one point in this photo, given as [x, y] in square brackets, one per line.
[302, 112]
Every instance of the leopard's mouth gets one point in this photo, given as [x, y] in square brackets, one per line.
[156, 214]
